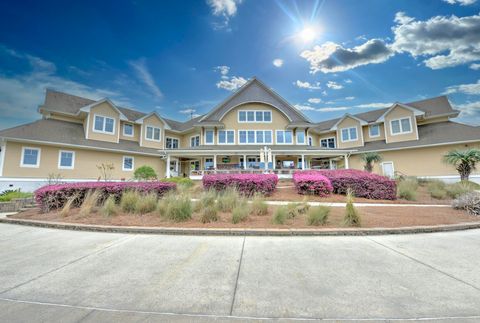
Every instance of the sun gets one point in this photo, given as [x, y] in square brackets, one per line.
[307, 34]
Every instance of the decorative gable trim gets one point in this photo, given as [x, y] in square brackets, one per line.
[140, 121]
[416, 112]
[89, 107]
[348, 115]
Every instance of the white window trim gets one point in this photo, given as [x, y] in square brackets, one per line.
[153, 133]
[195, 137]
[60, 159]
[255, 116]
[123, 164]
[226, 141]
[304, 138]
[370, 130]
[388, 162]
[284, 143]
[349, 139]
[213, 137]
[37, 165]
[401, 127]
[169, 137]
[334, 141]
[133, 129]
[104, 124]
[262, 143]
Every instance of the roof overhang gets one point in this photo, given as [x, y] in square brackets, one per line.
[348, 115]
[87, 108]
[140, 121]
[416, 112]
[210, 152]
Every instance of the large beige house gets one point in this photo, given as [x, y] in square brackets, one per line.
[253, 130]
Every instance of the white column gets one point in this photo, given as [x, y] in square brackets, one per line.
[215, 161]
[167, 171]
[274, 161]
[244, 161]
[346, 161]
[303, 162]
[331, 163]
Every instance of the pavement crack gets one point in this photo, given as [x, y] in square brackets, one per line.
[113, 244]
[238, 276]
[425, 264]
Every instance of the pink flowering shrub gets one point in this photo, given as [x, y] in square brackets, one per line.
[246, 184]
[312, 183]
[51, 197]
[363, 184]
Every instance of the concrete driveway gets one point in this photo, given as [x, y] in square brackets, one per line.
[51, 275]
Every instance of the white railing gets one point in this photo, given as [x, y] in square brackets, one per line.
[202, 172]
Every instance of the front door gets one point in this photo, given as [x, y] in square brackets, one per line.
[174, 167]
[387, 168]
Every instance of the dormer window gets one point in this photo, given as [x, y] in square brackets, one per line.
[104, 124]
[128, 130]
[152, 133]
[374, 130]
[349, 134]
[400, 126]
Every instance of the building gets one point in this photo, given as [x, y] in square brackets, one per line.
[253, 130]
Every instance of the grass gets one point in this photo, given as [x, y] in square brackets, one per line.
[228, 199]
[7, 196]
[146, 203]
[407, 189]
[240, 214]
[181, 181]
[175, 207]
[90, 201]
[318, 215]
[460, 188]
[128, 201]
[352, 216]
[109, 207]
[209, 214]
[258, 205]
[68, 206]
[295, 209]
[280, 215]
[207, 199]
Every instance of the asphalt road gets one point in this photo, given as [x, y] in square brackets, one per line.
[49, 275]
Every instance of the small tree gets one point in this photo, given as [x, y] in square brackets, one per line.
[144, 173]
[106, 171]
[369, 159]
[464, 161]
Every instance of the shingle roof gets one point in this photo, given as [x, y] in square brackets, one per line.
[69, 133]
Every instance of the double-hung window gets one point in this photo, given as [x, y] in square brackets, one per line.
[284, 137]
[30, 157]
[327, 142]
[349, 134]
[152, 133]
[300, 137]
[195, 141]
[128, 129]
[226, 137]
[104, 124]
[259, 116]
[374, 130]
[246, 136]
[263, 136]
[209, 134]
[128, 163]
[399, 126]
[66, 159]
[171, 143]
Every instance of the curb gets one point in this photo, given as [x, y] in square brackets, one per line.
[241, 231]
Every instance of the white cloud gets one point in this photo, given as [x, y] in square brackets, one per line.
[475, 67]
[331, 57]
[461, 2]
[469, 112]
[349, 98]
[472, 89]
[374, 105]
[277, 62]
[223, 69]
[187, 111]
[348, 81]
[232, 83]
[307, 85]
[444, 41]
[225, 9]
[315, 100]
[334, 85]
[302, 107]
[144, 75]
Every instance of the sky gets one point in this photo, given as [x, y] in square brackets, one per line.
[182, 58]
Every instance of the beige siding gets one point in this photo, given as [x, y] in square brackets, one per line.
[185, 139]
[153, 121]
[432, 120]
[176, 136]
[136, 132]
[397, 113]
[366, 133]
[86, 162]
[106, 110]
[60, 117]
[332, 134]
[416, 162]
[347, 123]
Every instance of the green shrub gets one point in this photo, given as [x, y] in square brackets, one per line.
[258, 206]
[90, 201]
[240, 214]
[280, 215]
[207, 199]
[174, 207]
[460, 188]
[109, 207]
[209, 214]
[182, 181]
[318, 215]
[129, 200]
[437, 189]
[407, 189]
[9, 195]
[294, 209]
[144, 173]
[228, 199]
[146, 203]
[352, 217]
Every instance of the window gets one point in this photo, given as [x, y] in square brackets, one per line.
[327, 142]
[153, 133]
[128, 129]
[254, 116]
[127, 163]
[349, 134]
[300, 137]
[400, 126]
[226, 137]
[30, 157]
[208, 163]
[374, 130]
[255, 137]
[195, 141]
[310, 141]
[66, 159]
[284, 137]
[209, 137]
[171, 143]
[104, 124]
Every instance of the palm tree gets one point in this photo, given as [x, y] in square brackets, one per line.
[369, 159]
[463, 160]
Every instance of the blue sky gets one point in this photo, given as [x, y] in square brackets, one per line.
[181, 57]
